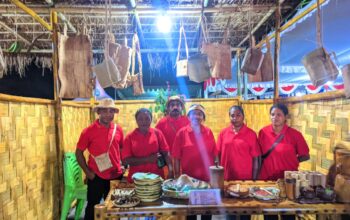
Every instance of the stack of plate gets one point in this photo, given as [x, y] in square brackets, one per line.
[148, 186]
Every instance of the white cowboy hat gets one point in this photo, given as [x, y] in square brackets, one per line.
[175, 98]
[106, 103]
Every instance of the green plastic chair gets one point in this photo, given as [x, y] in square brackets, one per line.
[74, 187]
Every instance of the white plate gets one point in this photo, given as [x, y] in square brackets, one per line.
[273, 193]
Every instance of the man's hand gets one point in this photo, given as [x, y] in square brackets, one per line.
[90, 175]
[170, 174]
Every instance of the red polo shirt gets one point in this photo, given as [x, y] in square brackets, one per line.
[137, 144]
[237, 151]
[96, 139]
[285, 155]
[196, 152]
[170, 126]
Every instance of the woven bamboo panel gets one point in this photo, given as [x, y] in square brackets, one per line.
[126, 116]
[28, 163]
[256, 114]
[74, 120]
[323, 124]
[216, 113]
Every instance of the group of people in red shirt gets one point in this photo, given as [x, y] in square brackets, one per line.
[188, 147]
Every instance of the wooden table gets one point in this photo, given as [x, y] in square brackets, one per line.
[229, 206]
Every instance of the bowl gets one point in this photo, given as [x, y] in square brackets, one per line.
[238, 191]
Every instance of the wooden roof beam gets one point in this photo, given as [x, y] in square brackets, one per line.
[70, 25]
[261, 22]
[85, 9]
[151, 50]
[32, 13]
[2, 23]
[131, 4]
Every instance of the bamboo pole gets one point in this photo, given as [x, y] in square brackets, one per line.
[245, 86]
[32, 13]
[292, 21]
[14, 32]
[260, 101]
[153, 50]
[58, 108]
[239, 74]
[277, 51]
[261, 22]
[315, 97]
[13, 98]
[122, 10]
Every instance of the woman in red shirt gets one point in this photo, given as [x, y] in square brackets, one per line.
[238, 148]
[143, 146]
[194, 147]
[289, 151]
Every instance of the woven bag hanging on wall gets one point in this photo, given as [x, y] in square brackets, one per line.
[219, 55]
[318, 63]
[267, 64]
[181, 65]
[107, 72]
[75, 60]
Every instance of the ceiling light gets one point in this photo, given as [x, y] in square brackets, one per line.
[163, 23]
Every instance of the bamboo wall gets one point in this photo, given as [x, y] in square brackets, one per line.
[28, 163]
[324, 123]
[29, 183]
[216, 111]
[74, 120]
[257, 113]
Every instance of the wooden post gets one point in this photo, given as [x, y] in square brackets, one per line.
[245, 84]
[58, 108]
[277, 51]
[239, 74]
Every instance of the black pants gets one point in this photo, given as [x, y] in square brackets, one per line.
[275, 217]
[97, 189]
[234, 217]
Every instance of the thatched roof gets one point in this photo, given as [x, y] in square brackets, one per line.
[245, 15]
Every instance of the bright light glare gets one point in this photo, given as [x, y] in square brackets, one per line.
[299, 94]
[329, 83]
[163, 24]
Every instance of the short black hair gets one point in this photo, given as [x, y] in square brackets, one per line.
[143, 110]
[281, 107]
[236, 107]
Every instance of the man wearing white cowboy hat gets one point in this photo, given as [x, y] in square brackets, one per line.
[103, 139]
[174, 120]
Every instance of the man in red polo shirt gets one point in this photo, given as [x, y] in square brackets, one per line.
[173, 121]
[103, 139]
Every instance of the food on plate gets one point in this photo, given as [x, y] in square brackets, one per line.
[265, 193]
[124, 198]
[238, 191]
[126, 201]
[180, 187]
